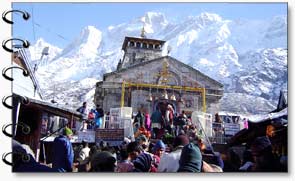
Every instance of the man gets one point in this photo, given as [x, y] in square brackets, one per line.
[99, 114]
[139, 118]
[63, 154]
[170, 161]
[103, 161]
[83, 158]
[180, 122]
[190, 159]
[157, 121]
[169, 117]
[133, 150]
[84, 153]
[83, 110]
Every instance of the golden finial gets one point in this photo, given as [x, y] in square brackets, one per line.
[142, 33]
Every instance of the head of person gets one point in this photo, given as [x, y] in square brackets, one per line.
[133, 150]
[143, 163]
[124, 155]
[159, 148]
[68, 132]
[103, 162]
[190, 159]
[94, 149]
[197, 139]
[84, 104]
[180, 141]
[143, 141]
[104, 145]
[84, 144]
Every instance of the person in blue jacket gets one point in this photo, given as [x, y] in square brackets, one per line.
[99, 114]
[63, 154]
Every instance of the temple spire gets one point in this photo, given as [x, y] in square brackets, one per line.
[142, 35]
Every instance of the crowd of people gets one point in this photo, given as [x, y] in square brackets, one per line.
[185, 154]
[164, 142]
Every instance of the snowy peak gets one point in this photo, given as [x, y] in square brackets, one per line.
[90, 34]
[86, 44]
[276, 32]
[154, 17]
[154, 21]
[206, 19]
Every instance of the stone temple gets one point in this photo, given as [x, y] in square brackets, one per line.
[145, 79]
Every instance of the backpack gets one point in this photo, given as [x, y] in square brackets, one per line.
[91, 115]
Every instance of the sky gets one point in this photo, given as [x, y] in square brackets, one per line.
[59, 23]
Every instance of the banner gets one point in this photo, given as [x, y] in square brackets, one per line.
[231, 129]
[112, 136]
[87, 136]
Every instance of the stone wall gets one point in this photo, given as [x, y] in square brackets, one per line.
[135, 55]
[108, 92]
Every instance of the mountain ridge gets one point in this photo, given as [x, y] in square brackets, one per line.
[249, 65]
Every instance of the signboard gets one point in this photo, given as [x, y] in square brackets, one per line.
[208, 123]
[117, 117]
[231, 128]
[128, 127]
[205, 120]
[87, 136]
[123, 112]
[114, 122]
[112, 136]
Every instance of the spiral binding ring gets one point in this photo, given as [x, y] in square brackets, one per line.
[25, 157]
[25, 129]
[24, 100]
[26, 15]
[25, 72]
[4, 102]
[26, 44]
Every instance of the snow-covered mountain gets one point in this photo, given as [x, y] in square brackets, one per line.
[36, 52]
[248, 56]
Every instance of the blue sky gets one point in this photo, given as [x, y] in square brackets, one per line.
[59, 23]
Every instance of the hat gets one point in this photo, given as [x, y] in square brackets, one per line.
[259, 145]
[67, 131]
[190, 159]
[143, 163]
[159, 144]
[180, 140]
[103, 161]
